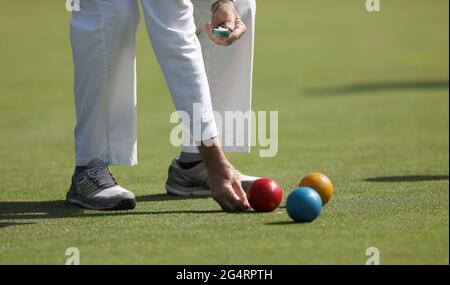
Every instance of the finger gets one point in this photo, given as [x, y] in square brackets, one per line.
[237, 187]
[226, 207]
[229, 201]
[208, 30]
[237, 33]
[230, 24]
[244, 199]
[223, 203]
[232, 206]
[238, 206]
[208, 27]
[236, 202]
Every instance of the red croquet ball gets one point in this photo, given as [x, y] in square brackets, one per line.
[264, 195]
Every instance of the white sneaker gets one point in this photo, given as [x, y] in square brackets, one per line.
[96, 188]
[194, 181]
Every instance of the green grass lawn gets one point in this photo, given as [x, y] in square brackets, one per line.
[362, 97]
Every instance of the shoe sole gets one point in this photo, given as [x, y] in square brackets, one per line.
[125, 204]
[188, 191]
[198, 191]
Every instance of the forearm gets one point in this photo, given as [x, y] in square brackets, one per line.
[213, 155]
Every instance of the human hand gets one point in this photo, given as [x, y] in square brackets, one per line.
[226, 16]
[227, 191]
[224, 182]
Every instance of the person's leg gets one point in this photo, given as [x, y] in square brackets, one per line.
[229, 70]
[171, 28]
[223, 65]
[103, 36]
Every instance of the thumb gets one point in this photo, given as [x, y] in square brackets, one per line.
[237, 187]
[229, 24]
[207, 27]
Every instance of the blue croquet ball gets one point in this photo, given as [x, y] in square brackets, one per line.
[303, 205]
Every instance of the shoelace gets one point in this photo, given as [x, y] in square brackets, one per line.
[101, 176]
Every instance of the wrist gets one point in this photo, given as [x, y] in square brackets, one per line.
[219, 3]
[214, 156]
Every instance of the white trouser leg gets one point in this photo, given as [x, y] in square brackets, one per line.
[103, 37]
[171, 28]
[229, 70]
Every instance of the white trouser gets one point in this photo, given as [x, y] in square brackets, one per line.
[103, 35]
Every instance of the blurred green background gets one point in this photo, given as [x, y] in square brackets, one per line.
[362, 97]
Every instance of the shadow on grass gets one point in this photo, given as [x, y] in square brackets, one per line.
[57, 209]
[407, 178]
[165, 197]
[4, 225]
[283, 223]
[379, 87]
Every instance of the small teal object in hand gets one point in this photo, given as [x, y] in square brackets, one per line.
[221, 32]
